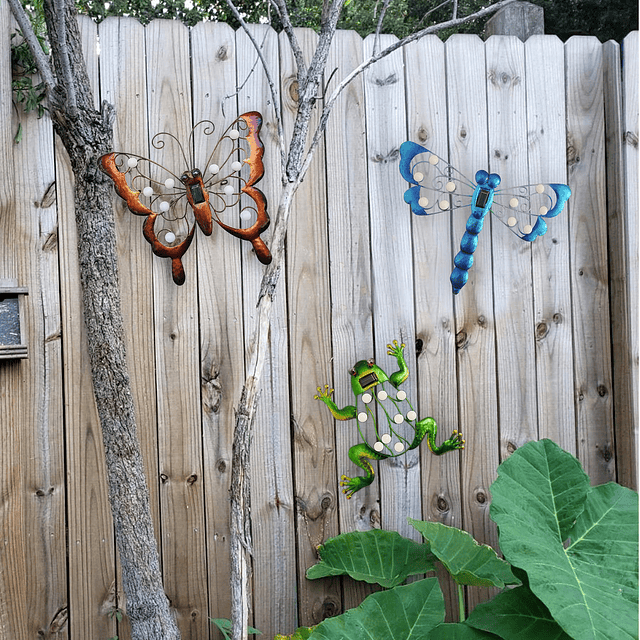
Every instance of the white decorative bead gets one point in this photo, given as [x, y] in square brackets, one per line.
[245, 215]
[398, 418]
[234, 134]
[433, 159]
[132, 162]
[362, 417]
[401, 395]
[512, 221]
[386, 438]
[513, 203]
[164, 206]
[418, 176]
[423, 202]
[366, 398]
[382, 395]
[236, 166]
[528, 228]
[169, 236]
[398, 446]
[214, 168]
[378, 446]
[228, 189]
[169, 183]
[540, 188]
[543, 210]
[450, 186]
[412, 415]
[443, 204]
[147, 191]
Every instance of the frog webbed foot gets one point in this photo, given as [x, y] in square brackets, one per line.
[323, 394]
[396, 349]
[456, 441]
[351, 485]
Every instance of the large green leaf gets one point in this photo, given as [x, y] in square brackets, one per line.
[516, 614]
[403, 613]
[375, 556]
[591, 586]
[459, 631]
[468, 562]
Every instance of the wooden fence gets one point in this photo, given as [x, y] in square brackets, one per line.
[542, 342]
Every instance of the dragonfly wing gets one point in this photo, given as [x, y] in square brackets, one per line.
[524, 209]
[437, 185]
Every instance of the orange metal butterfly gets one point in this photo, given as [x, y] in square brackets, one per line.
[195, 196]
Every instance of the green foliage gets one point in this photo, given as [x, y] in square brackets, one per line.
[573, 547]
[224, 625]
[376, 556]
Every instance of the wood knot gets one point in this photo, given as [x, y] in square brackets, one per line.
[630, 138]
[293, 91]
[557, 318]
[192, 479]
[419, 346]
[374, 518]
[330, 608]
[607, 454]
[423, 134]
[482, 321]
[462, 339]
[164, 478]
[385, 82]
[221, 466]
[463, 133]
[481, 497]
[542, 329]
[511, 446]
[602, 390]
[222, 53]
[442, 505]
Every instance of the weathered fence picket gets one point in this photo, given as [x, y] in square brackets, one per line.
[541, 342]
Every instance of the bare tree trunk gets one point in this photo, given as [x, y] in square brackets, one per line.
[86, 135]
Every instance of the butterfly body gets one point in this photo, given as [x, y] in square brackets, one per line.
[177, 203]
[438, 187]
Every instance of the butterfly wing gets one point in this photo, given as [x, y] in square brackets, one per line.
[230, 181]
[438, 185]
[524, 209]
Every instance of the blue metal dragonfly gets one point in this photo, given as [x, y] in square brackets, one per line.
[438, 187]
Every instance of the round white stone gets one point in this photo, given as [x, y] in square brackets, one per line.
[401, 395]
[398, 446]
[423, 202]
[386, 438]
[132, 162]
[234, 134]
[513, 203]
[443, 204]
[362, 416]
[412, 415]
[214, 168]
[527, 228]
[245, 215]
[169, 236]
[512, 221]
[228, 189]
[382, 395]
[164, 206]
[540, 188]
[366, 398]
[147, 191]
[418, 176]
[169, 183]
[398, 418]
[378, 446]
[450, 186]
[433, 159]
[542, 210]
[236, 166]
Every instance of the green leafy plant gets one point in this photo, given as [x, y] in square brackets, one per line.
[224, 625]
[571, 562]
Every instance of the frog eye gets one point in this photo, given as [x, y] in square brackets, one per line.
[195, 173]
[353, 372]
[371, 362]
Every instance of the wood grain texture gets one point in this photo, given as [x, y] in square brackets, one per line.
[475, 326]
[546, 131]
[177, 355]
[392, 272]
[91, 550]
[121, 85]
[310, 357]
[272, 500]
[349, 251]
[512, 277]
[435, 323]
[589, 269]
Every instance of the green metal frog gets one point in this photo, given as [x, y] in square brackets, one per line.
[374, 388]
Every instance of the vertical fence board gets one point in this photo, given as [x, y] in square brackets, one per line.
[392, 273]
[122, 83]
[272, 501]
[349, 251]
[177, 354]
[546, 122]
[90, 528]
[310, 344]
[213, 60]
[512, 277]
[475, 330]
[590, 287]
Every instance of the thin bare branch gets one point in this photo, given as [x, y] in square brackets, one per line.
[283, 12]
[454, 13]
[275, 100]
[41, 59]
[68, 82]
[385, 6]
[426, 15]
[374, 58]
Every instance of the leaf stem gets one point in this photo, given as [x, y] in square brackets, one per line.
[461, 602]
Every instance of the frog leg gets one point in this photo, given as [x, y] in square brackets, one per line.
[400, 376]
[428, 427]
[345, 413]
[358, 454]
